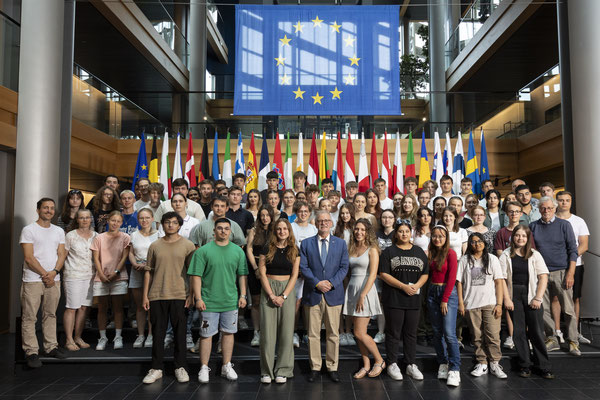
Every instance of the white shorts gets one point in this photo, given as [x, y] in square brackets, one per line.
[136, 279]
[299, 288]
[79, 293]
[110, 289]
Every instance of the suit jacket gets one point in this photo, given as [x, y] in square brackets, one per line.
[313, 270]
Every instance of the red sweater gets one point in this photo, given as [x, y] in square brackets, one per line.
[447, 274]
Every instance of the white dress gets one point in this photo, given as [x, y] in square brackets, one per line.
[359, 274]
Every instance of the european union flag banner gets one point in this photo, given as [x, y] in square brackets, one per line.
[318, 60]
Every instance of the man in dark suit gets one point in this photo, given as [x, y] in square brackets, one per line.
[324, 264]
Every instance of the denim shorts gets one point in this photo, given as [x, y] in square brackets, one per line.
[212, 322]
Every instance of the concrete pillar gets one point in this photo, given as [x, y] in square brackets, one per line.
[43, 134]
[583, 33]
[197, 67]
[438, 15]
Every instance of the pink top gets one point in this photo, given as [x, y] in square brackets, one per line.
[446, 274]
[111, 252]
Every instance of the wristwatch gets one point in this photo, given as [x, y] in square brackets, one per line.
[284, 296]
[243, 296]
[117, 271]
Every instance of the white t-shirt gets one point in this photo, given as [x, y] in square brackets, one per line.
[45, 248]
[478, 287]
[140, 204]
[140, 244]
[79, 264]
[185, 229]
[303, 232]
[421, 241]
[495, 217]
[580, 228]
[386, 204]
[457, 239]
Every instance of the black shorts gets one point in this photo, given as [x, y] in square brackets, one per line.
[577, 285]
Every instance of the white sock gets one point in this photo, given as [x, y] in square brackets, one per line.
[118, 332]
[103, 334]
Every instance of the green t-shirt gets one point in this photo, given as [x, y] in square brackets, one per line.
[219, 267]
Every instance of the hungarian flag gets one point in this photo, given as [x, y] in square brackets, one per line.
[363, 169]
[337, 175]
[277, 162]
[204, 172]
[410, 158]
[190, 169]
[374, 164]
[313, 163]
[227, 175]
[251, 172]
[386, 172]
[424, 171]
[323, 164]
[288, 172]
[153, 170]
[398, 176]
[349, 170]
[165, 170]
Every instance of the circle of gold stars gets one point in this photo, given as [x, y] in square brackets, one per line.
[349, 79]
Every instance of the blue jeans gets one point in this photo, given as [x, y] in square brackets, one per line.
[444, 326]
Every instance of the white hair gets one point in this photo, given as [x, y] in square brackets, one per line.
[547, 199]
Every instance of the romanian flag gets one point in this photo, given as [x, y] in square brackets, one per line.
[153, 171]
[424, 171]
[251, 172]
[410, 158]
[472, 168]
[323, 164]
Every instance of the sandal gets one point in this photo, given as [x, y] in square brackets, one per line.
[82, 345]
[71, 346]
[375, 373]
[360, 374]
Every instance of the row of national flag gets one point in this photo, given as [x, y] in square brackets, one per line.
[342, 170]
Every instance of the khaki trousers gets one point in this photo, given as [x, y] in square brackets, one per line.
[34, 294]
[556, 287]
[330, 315]
[486, 334]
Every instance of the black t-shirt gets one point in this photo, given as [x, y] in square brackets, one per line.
[407, 266]
[244, 218]
[465, 223]
[264, 197]
[207, 208]
[520, 271]
[280, 265]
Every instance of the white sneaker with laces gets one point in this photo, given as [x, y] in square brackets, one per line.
[149, 341]
[228, 372]
[203, 374]
[394, 372]
[350, 339]
[153, 375]
[560, 336]
[453, 378]
[343, 339]
[413, 371]
[296, 340]
[255, 339]
[509, 343]
[118, 342]
[189, 342]
[443, 371]
[379, 337]
[583, 339]
[497, 371]
[182, 375]
[168, 341]
[265, 379]
[139, 342]
[280, 379]
[480, 369]
[102, 342]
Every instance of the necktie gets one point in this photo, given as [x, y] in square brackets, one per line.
[323, 252]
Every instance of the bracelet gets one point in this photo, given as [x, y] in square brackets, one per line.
[498, 305]
[57, 271]
[536, 299]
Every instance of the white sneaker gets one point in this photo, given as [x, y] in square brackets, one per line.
[139, 342]
[350, 339]
[153, 375]
[343, 339]
[480, 369]
[443, 371]
[583, 339]
[379, 337]
[189, 342]
[228, 372]
[509, 343]
[182, 375]
[255, 339]
[102, 342]
[149, 341]
[203, 374]
[560, 336]
[118, 342]
[296, 340]
[497, 371]
[413, 371]
[394, 372]
[280, 379]
[453, 378]
[168, 341]
[265, 379]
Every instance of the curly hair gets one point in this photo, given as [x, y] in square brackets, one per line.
[370, 238]
[291, 250]
[115, 203]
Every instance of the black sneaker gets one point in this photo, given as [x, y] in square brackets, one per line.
[33, 361]
[547, 374]
[56, 353]
[525, 373]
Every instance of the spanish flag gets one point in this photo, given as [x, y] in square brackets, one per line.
[153, 170]
[251, 173]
